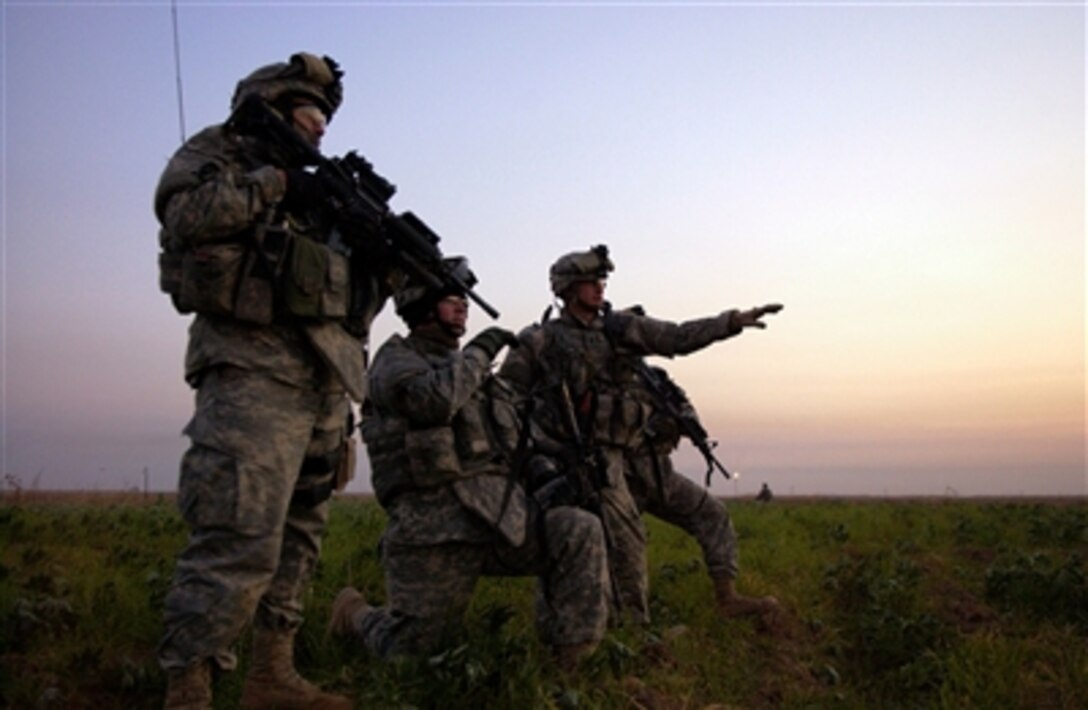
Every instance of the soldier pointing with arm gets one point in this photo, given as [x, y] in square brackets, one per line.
[584, 353]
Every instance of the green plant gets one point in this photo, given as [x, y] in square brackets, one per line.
[868, 590]
[1042, 587]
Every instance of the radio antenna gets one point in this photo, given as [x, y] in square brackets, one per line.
[177, 68]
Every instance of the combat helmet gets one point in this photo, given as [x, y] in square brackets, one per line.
[304, 74]
[415, 299]
[579, 266]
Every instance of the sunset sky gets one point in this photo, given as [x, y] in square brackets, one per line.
[907, 178]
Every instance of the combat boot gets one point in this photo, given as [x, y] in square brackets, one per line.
[730, 603]
[567, 657]
[346, 608]
[189, 689]
[273, 682]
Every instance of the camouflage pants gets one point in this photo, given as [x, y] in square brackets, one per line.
[429, 586]
[250, 551]
[663, 493]
[626, 540]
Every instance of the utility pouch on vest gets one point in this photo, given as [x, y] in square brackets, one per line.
[317, 281]
[209, 278]
[432, 456]
[256, 298]
[618, 419]
[255, 301]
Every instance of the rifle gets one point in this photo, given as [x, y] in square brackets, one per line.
[585, 472]
[359, 197]
[671, 400]
[583, 460]
[574, 476]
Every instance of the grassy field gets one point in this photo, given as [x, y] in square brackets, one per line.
[946, 604]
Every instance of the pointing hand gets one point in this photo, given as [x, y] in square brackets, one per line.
[751, 317]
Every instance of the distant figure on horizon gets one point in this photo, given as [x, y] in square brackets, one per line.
[765, 494]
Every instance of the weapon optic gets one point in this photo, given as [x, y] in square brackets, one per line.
[359, 197]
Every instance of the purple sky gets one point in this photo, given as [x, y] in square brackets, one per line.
[908, 179]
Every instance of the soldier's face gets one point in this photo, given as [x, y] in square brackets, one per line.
[453, 313]
[590, 294]
[310, 121]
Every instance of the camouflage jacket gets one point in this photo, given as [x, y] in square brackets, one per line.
[440, 433]
[215, 190]
[594, 361]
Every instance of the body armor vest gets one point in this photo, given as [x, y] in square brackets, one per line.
[479, 439]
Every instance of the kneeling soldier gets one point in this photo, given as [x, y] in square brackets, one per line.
[441, 433]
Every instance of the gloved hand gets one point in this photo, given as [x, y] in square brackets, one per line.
[492, 340]
[304, 191]
[751, 317]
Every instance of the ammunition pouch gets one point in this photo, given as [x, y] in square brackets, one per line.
[204, 279]
[410, 460]
[255, 299]
[619, 420]
[256, 280]
[317, 283]
[480, 440]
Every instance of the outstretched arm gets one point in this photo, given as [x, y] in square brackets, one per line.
[649, 336]
[751, 318]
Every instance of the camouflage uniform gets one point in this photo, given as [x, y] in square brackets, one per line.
[440, 431]
[663, 493]
[591, 359]
[271, 416]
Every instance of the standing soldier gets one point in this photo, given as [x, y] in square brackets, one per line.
[663, 493]
[276, 341]
[576, 377]
[441, 433]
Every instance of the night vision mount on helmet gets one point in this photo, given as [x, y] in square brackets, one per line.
[304, 75]
[578, 266]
